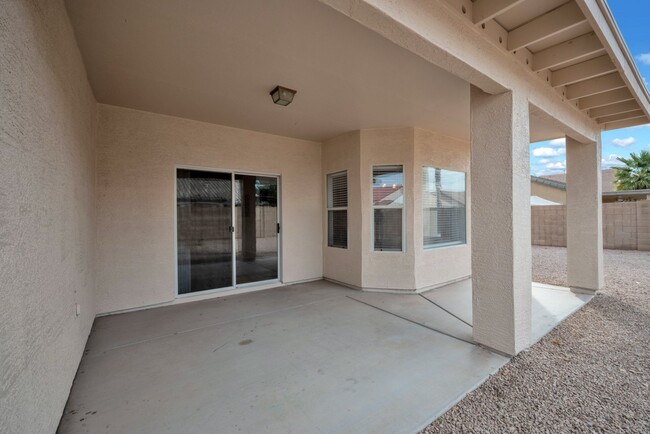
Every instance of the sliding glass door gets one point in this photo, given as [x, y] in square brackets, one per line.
[227, 229]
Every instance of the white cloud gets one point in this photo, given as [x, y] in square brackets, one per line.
[546, 160]
[548, 152]
[644, 58]
[610, 161]
[544, 172]
[558, 142]
[624, 142]
[558, 165]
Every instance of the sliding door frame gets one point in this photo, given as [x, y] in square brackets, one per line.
[232, 174]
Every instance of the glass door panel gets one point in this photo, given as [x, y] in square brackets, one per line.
[204, 237]
[256, 223]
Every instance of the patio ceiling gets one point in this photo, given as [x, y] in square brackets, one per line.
[575, 46]
[216, 62]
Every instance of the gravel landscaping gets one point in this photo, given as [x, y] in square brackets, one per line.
[590, 374]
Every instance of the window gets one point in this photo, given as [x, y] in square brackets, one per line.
[443, 207]
[388, 208]
[337, 210]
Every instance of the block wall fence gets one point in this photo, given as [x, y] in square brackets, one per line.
[626, 225]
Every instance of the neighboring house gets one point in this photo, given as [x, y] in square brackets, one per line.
[117, 114]
[607, 177]
[547, 189]
[552, 188]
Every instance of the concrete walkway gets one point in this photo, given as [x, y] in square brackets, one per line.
[306, 358]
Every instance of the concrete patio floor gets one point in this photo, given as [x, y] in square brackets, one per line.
[315, 357]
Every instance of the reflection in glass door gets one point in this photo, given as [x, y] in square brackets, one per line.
[256, 236]
[203, 230]
[221, 246]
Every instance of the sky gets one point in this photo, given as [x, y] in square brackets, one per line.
[547, 158]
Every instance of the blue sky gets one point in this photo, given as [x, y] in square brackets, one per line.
[632, 17]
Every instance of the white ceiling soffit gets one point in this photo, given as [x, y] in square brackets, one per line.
[575, 46]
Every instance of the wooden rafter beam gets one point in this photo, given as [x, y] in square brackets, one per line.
[594, 86]
[551, 23]
[582, 71]
[485, 10]
[568, 51]
[614, 109]
[626, 123]
[621, 117]
[606, 98]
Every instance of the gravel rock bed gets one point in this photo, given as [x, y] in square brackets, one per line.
[590, 374]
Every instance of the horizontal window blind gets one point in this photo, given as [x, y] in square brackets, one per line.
[388, 229]
[337, 228]
[337, 210]
[443, 207]
[388, 207]
[337, 190]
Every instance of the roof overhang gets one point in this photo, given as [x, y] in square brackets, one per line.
[574, 46]
[627, 194]
[549, 182]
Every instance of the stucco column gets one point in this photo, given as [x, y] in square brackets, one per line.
[584, 215]
[501, 240]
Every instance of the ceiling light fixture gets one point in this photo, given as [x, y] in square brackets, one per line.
[282, 95]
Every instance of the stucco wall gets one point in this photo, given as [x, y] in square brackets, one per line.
[444, 264]
[47, 231]
[415, 268]
[387, 270]
[137, 155]
[343, 153]
[547, 192]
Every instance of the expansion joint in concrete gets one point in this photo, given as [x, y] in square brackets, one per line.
[412, 321]
[450, 313]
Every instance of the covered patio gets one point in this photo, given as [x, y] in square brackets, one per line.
[153, 185]
[314, 357]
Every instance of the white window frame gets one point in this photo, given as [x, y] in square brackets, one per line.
[448, 244]
[337, 208]
[237, 288]
[373, 207]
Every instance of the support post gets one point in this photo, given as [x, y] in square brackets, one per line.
[501, 240]
[584, 215]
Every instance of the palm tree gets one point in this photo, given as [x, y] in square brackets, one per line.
[635, 175]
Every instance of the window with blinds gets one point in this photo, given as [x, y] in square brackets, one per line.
[388, 208]
[337, 210]
[443, 207]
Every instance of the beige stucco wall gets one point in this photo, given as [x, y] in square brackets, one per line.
[343, 153]
[414, 268]
[47, 232]
[444, 264]
[137, 155]
[387, 270]
[547, 192]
